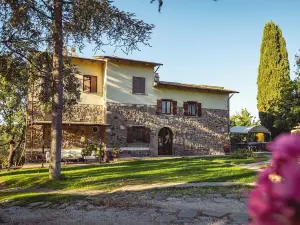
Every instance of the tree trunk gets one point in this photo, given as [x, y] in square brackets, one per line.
[56, 126]
[11, 154]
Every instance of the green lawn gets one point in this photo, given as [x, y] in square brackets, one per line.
[108, 177]
[238, 161]
[111, 176]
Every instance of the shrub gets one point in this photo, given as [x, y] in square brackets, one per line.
[87, 151]
[115, 153]
[243, 153]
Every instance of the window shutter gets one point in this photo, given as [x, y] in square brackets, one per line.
[93, 84]
[129, 134]
[159, 107]
[138, 85]
[199, 109]
[142, 85]
[174, 107]
[86, 83]
[134, 84]
[185, 108]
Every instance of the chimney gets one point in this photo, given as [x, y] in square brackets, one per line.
[73, 51]
[156, 78]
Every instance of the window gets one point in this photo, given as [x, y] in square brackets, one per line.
[138, 85]
[138, 134]
[89, 84]
[166, 107]
[191, 108]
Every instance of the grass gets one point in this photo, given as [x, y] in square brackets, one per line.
[109, 177]
[237, 161]
[200, 191]
[25, 198]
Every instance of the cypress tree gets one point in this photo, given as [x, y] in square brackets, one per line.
[273, 79]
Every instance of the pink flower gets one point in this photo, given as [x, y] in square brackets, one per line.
[277, 201]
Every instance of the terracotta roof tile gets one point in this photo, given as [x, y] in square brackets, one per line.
[195, 87]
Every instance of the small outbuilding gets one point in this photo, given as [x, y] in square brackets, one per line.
[252, 137]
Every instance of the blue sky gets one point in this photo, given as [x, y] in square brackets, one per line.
[214, 43]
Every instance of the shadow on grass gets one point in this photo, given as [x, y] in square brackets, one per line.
[111, 176]
[30, 197]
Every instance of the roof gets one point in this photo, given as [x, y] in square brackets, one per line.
[83, 58]
[195, 87]
[128, 60]
[70, 123]
[246, 130]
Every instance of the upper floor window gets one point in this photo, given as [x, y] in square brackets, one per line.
[192, 108]
[138, 85]
[89, 83]
[166, 106]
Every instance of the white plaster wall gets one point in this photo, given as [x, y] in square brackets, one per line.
[93, 68]
[119, 88]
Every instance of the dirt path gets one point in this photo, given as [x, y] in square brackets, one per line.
[132, 208]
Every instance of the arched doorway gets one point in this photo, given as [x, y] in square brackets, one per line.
[165, 141]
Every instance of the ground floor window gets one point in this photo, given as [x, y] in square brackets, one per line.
[138, 134]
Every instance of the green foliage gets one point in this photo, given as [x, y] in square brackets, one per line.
[274, 85]
[28, 27]
[116, 152]
[291, 110]
[41, 80]
[13, 92]
[16, 79]
[242, 154]
[93, 148]
[243, 118]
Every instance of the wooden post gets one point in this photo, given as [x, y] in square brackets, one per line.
[43, 146]
[11, 153]
[100, 156]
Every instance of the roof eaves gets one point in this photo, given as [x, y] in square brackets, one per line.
[197, 87]
[129, 60]
[91, 59]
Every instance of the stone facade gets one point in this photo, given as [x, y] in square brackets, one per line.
[71, 134]
[191, 135]
[76, 113]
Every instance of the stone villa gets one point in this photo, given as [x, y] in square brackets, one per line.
[125, 104]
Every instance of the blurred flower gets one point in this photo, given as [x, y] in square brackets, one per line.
[276, 198]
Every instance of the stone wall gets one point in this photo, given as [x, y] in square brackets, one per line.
[71, 133]
[76, 113]
[191, 135]
[71, 139]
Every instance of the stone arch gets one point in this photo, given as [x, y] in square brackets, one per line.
[165, 137]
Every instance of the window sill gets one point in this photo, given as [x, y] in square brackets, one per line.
[95, 93]
[139, 93]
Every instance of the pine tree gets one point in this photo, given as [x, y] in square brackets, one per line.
[273, 80]
[49, 25]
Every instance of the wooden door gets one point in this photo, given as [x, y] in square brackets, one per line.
[165, 139]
